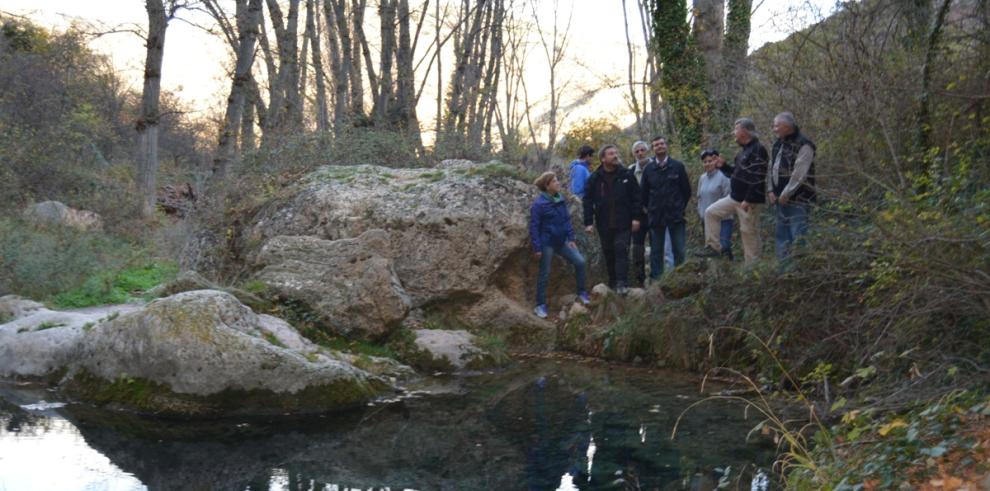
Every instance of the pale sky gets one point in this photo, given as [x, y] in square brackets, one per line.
[194, 60]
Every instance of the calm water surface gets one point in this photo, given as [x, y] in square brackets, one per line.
[541, 425]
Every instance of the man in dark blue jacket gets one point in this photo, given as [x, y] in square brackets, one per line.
[666, 192]
[613, 204]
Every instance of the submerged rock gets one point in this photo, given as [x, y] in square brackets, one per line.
[446, 350]
[203, 353]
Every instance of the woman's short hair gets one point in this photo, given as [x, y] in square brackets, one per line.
[543, 181]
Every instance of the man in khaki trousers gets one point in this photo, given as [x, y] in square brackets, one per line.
[747, 178]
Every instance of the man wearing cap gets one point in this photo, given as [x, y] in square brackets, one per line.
[747, 182]
[580, 170]
[713, 186]
[790, 182]
[666, 192]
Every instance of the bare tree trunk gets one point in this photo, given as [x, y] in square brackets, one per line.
[406, 80]
[340, 75]
[147, 125]
[226, 148]
[322, 116]
[633, 99]
[923, 119]
[383, 111]
[308, 27]
[357, 46]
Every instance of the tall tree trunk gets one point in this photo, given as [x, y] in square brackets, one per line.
[384, 116]
[341, 104]
[406, 90]
[734, 64]
[357, 77]
[923, 119]
[322, 116]
[631, 72]
[708, 27]
[147, 125]
[241, 83]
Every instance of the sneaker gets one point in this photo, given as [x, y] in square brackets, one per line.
[622, 290]
[708, 252]
[584, 298]
[541, 311]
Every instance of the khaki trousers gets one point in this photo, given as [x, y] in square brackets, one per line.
[749, 225]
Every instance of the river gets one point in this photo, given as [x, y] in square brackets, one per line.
[541, 424]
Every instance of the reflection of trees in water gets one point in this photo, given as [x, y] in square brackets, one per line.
[17, 421]
[525, 427]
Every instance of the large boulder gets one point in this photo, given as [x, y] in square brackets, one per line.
[203, 353]
[352, 243]
[56, 213]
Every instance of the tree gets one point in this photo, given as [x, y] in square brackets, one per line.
[682, 82]
[147, 124]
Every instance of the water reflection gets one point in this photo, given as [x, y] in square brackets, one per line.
[541, 426]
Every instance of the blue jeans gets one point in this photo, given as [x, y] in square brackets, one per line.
[571, 255]
[792, 225]
[725, 235]
[657, 240]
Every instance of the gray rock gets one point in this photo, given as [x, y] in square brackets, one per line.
[38, 342]
[56, 213]
[203, 353]
[351, 283]
[600, 290]
[187, 281]
[455, 237]
[576, 310]
[451, 350]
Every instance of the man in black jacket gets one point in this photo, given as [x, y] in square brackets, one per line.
[612, 205]
[747, 179]
[666, 192]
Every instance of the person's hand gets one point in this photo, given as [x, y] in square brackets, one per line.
[538, 255]
[771, 198]
[784, 200]
[572, 245]
[590, 229]
[635, 225]
[745, 206]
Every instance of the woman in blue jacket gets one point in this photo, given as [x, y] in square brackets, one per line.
[550, 232]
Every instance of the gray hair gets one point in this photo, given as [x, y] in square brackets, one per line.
[787, 118]
[748, 125]
[640, 143]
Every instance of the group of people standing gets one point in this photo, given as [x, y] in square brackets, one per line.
[625, 205]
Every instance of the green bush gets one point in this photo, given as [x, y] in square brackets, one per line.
[39, 262]
[119, 287]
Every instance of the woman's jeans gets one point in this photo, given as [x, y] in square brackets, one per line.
[792, 225]
[572, 256]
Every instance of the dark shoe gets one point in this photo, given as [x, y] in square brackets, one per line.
[727, 254]
[708, 252]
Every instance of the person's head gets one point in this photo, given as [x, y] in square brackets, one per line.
[784, 125]
[659, 144]
[708, 159]
[609, 156]
[548, 183]
[585, 152]
[640, 150]
[744, 131]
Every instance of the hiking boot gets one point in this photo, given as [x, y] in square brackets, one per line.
[708, 252]
[541, 311]
[584, 298]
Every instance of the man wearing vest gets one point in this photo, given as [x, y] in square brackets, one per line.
[747, 180]
[612, 205]
[666, 192]
[790, 182]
